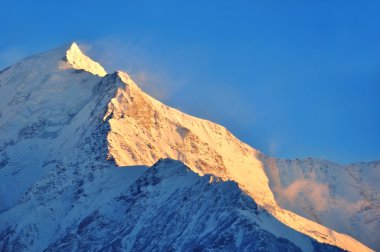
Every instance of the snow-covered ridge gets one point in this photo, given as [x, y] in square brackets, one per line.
[54, 137]
[80, 61]
[144, 130]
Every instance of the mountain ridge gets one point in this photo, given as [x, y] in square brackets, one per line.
[118, 104]
[144, 148]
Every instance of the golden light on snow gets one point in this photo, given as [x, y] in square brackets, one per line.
[144, 130]
[80, 61]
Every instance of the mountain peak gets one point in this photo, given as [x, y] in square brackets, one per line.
[74, 128]
[78, 60]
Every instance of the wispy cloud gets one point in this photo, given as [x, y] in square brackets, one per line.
[273, 146]
[10, 56]
[319, 196]
[175, 80]
[316, 193]
[133, 58]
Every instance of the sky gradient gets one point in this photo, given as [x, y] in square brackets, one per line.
[290, 79]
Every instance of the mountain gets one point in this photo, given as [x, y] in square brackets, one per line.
[343, 197]
[143, 129]
[66, 125]
[170, 208]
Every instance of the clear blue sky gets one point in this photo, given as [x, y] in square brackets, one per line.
[291, 78]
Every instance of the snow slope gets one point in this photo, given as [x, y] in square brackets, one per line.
[143, 130]
[346, 198]
[59, 124]
[170, 208]
[53, 149]
[44, 111]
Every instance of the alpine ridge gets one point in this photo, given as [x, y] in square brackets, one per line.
[66, 125]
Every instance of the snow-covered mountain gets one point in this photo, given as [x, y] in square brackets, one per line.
[65, 127]
[343, 197]
[170, 208]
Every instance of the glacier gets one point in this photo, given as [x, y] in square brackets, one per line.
[79, 171]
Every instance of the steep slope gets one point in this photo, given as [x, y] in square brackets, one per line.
[170, 208]
[347, 198]
[143, 130]
[53, 149]
[46, 106]
[58, 125]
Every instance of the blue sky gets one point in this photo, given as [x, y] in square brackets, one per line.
[291, 78]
